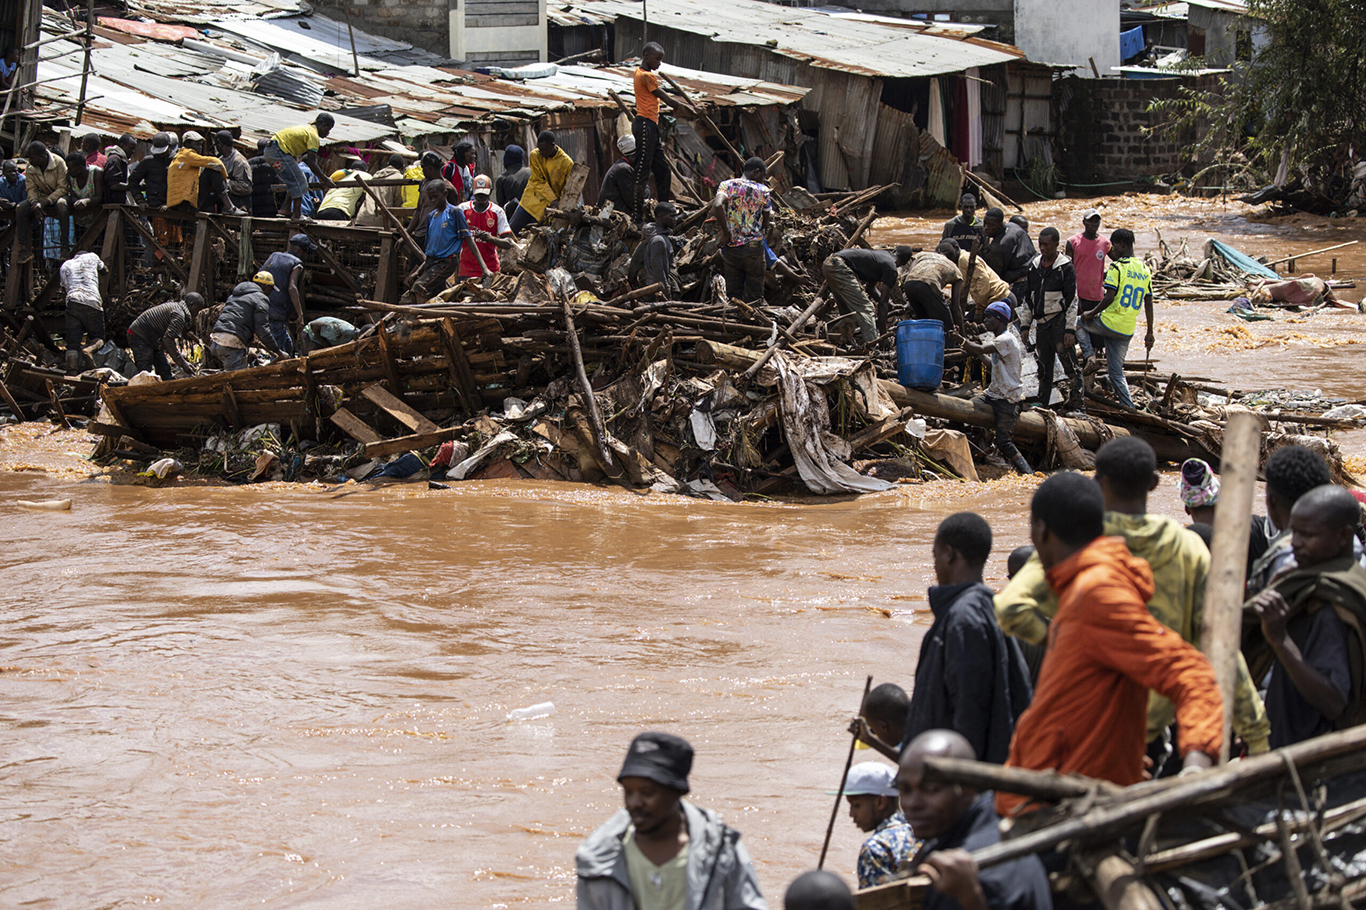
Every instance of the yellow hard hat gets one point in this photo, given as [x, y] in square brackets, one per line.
[264, 278]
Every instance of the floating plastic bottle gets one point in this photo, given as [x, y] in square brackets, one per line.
[544, 709]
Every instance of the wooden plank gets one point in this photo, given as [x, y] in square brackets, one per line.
[573, 188]
[354, 427]
[386, 277]
[230, 407]
[410, 443]
[460, 365]
[398, 410]
[9, 399]
[386, 352]
[199, 260]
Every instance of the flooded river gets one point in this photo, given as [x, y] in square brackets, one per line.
[283, 697]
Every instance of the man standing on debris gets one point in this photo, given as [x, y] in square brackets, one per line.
[287, 147]
[286, 295]
[459, 171]
[238, 171]
[550, 169]
[661, 852]
[1003, 354]
[391, 196]
[964, 227]
[1105, 650]
[245, 316]
[116, 170]
[619, 183]
[430, 162]
[1007, 250]
[871, 793]
[645, 130]
[80, 277]
[923, 281]
[86, 191]
[1312, 622]
[848, 270]
[512, 182]
[1126, 470]
[744, 214]
[155, 334]
[197, 182]
[985, 286]
[653, 259]
[446, 231]
[1087, 251]
[47, 187]
[1128, 287]
[150, 173]
[1051, 305]
[488, 226]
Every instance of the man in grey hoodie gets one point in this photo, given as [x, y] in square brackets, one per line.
[659, 852]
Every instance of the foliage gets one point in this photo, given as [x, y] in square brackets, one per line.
[1301, 100]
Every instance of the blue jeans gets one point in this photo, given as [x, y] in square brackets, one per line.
[288, 170]
[231, 358]
[283, 340]
[1116, 349]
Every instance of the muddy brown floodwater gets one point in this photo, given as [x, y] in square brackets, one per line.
[284, 697]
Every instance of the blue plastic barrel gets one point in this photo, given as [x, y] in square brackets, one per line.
[920, 353]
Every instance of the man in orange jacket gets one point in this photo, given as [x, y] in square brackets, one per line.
[1105, 650]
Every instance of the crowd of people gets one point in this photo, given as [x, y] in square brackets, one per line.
[1087, 662]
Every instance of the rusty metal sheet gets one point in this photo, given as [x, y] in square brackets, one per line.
[154, 30]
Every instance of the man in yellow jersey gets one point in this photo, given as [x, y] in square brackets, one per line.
[283, 152]
[550, 169]
[645, 128]
[1128, 287]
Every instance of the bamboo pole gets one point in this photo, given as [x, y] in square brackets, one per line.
[839, 794]
[1327, 249]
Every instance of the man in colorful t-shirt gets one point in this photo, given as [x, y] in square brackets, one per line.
[744, 212]
[645, 128]
[284, 150]
[1128, 288]
[1087, 251]
[488, 225]
[446, 233]
[870, 790]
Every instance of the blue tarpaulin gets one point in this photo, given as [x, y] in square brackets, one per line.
[1131, 43]
[1241, 260]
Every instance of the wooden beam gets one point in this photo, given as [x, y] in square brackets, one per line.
[386, 276]
[386, 352]
[166, 258]
[410, 443]
[354, 427]
[398, 410]
[341, 271]
[199, 259]
[463, 376]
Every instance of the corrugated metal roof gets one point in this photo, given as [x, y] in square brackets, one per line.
[1227, 6]
[202, 12]
[850, 44]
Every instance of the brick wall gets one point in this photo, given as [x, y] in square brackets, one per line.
[1104, 124]
[423, 23]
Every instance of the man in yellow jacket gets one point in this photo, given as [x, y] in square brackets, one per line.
[1126, 470]
[197, 182]
[550, 167]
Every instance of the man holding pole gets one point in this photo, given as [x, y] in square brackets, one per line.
[645, 128]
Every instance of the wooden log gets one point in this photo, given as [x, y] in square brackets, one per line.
[604, 452]
[1116, 882]
[398, 410]
[9, 400]
[411, 443]
[882, 430]
[386, 350]
[1045, 785]
[1221, 634]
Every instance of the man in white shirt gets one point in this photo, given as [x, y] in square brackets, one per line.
[80, 277]
[1003, 353]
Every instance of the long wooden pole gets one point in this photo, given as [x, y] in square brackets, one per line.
[1327, 249]
[590, 402]
[1221, 635]
[848, 762]
[85, 69]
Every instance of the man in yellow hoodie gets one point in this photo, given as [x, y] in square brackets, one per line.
[550, 168]
[1126, 469]
[197, 182]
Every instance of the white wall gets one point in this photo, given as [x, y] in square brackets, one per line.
[1069, 31]
[521, 40]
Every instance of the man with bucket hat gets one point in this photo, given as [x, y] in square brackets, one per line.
[660, 852]
[870, 790]
[1003, 354]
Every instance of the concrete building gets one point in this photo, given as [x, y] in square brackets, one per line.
[469, 32]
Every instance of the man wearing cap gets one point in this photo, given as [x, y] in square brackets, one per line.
[153, 335]
[619, 183]
[488, 225]
[284, 150]
[285, 295]
[659, 852]
[645, 129]
[195, 181]
[870, 790]
[147, 186]
[744, 213]
[1088, 251]
[446, 232]
[964, 227]
[244, 317]
[237, 168]
[1003, 353]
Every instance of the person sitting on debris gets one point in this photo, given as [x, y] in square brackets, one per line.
[661, 851]
[239, 175]
[155, 333]
[954, 821]
[619, 183]
[645, 132]
[343, 201]
[882, 724]
[1088, 251]
[871, 793]
[326, 332]
[430, 162]
[985, 286]
[818, 890]
[292, 146]
[245, 316]
[47, 188]
[512, 182]
[1128, 287]
[1052, 304]
[9, 65]
[369, 214]
[923, 281]
[1311, 623]
[744, 213]
[147, 186]
[1007, 249]
[1126, 471]
[286, 294]
[1003, 354]
[13, 190]
[264, 179]
[90, 150]
[195, 181]
[446, 231]
[1105, 650]
[1291, 471]
[80, 277]
[849, 270]
[550, 169]
[488, 226]
[459, 171]
[964, 227]
[85, 194]
[652, 261]
[116, 166]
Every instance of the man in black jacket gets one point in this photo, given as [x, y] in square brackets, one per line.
[1051, 305]
[970, 677]
[619, 183]
[1007, 250]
